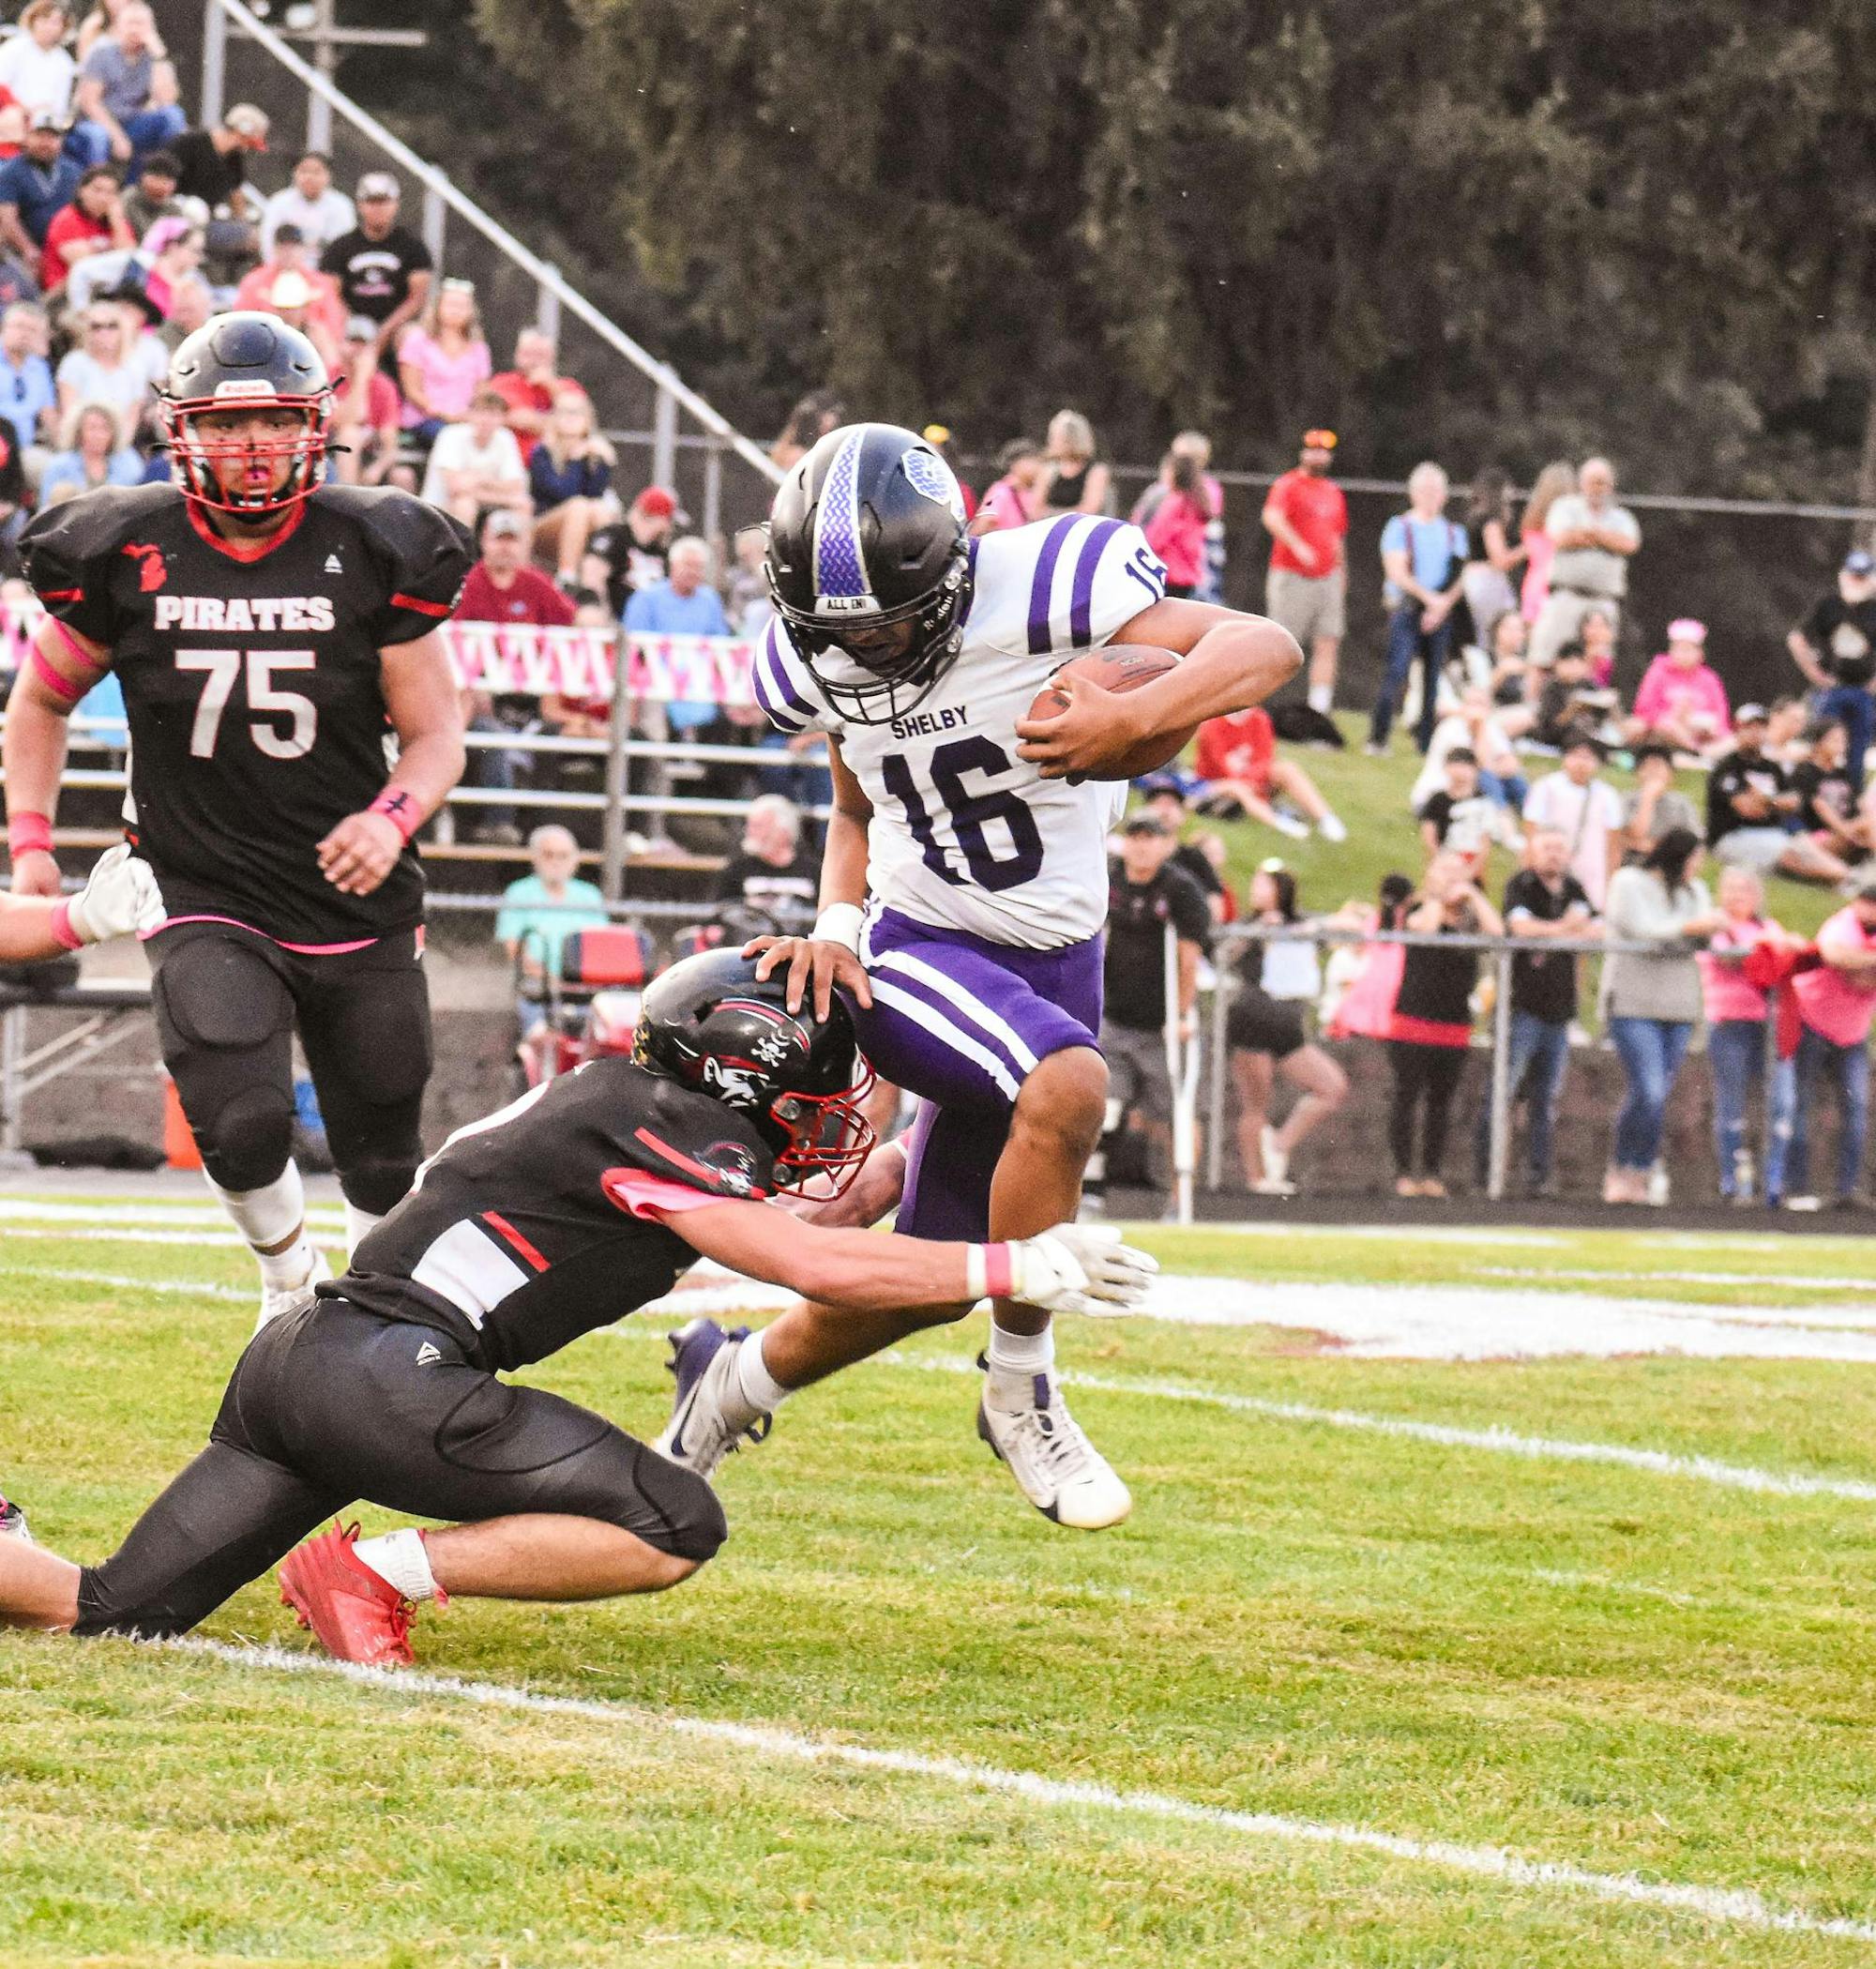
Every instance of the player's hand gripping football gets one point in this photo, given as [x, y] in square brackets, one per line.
[359, 853]
[1098, 726]
[812, 963]
[1081, 1268]
[120, 899]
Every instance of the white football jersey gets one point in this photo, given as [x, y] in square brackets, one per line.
[965, 835]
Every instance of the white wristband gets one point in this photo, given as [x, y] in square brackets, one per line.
[840, 923]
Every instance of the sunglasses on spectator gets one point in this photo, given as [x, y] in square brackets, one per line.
[103, 328]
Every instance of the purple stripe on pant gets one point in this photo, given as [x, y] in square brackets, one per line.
[960, 1022]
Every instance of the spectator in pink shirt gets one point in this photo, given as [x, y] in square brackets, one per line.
[1176, 528]
[1681, 702]
[1837, 1002]
[1016, 498]
[442, 360]
[1553, 481]
[1736, 1010]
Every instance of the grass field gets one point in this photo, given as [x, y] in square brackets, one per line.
[1336, 1694]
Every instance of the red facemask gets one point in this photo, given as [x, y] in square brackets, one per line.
[200, 459]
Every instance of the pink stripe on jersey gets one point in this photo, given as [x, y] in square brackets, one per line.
[640, 1193]
[364, 942]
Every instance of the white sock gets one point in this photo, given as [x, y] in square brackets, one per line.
[398, 1558]
[1016, 1359]
[1322, 698]
[359, 1224]
[264, 1217]
[759, 1387]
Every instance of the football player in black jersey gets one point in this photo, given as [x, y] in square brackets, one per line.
[564, 1212]
[270, 633]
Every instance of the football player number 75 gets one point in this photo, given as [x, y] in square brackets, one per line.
[222, 668]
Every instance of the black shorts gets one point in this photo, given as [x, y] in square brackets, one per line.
[1257, 1023]
[331, 1404]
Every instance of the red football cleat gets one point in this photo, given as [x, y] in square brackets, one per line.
[355, 1614]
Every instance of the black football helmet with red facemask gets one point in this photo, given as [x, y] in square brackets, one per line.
[247, 361]
[710, 1023]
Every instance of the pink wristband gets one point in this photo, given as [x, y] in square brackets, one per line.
[28, 833]
[61, 925]
[398, 808]
[987, 1271]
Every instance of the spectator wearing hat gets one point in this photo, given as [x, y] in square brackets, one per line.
[476, 463]
[530, 388]
[212, 164]
[1594, 539]
[144, 277]
[1165, 799]
[1752, 810]
[126, 95]
[35, 63]
[383, 270]
[366, 408]
[1015, 496]
[620, 560]
[442, 360]
[1423, 556]
[1307, 587]
[1681, 702]
[153, 196]
[1240, 775]
[1837, 1002]
[312, 203]
[1835, 648]
[1584, 809]
[34, 185]
[289, 280]
[94, 222]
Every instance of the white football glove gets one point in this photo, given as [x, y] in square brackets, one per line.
[120, 899]
[1081, 1268]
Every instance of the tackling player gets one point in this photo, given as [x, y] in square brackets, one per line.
[271, 634]
[978, 850]
[562, 1212]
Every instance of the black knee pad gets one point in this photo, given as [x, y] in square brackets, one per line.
[378, 1185]
[688, 1505]
[246, 1145]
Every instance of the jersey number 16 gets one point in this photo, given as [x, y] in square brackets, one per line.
[222, 666]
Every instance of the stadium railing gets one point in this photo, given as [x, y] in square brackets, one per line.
[1233, 937]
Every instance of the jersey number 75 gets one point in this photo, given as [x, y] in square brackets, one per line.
[222, 668]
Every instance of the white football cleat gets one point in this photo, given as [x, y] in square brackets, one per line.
[277, 1299]
[1055, 1465]
[709, 1416]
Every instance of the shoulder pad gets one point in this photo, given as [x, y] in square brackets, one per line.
[98, 522]
[423, 554]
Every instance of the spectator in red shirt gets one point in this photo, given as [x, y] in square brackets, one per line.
[1176, 528]
[366, 408]
[94, 222]
[1239, 773]
[265, 288]
[503, 587]
[1308, 587]
[529, 388]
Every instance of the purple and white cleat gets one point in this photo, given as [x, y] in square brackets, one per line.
[710, 1415]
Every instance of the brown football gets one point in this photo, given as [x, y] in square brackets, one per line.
[1119, 667]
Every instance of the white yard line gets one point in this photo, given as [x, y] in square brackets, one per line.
[45, 1210]
[194, 1288]
[1502, 1442]
[1743, 1907]
[1865, 1283]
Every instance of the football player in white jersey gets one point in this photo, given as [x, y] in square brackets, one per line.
[963, 889]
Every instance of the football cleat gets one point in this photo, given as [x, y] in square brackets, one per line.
[1055, 1465]
[702, 1431]
[353, 1613]
[13, 1522]
[277, 1299]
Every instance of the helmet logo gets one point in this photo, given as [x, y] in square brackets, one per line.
[770, 1050]
[845, 605]
[244, 386]
[735, 1087]
[151, 571]
[929, 474]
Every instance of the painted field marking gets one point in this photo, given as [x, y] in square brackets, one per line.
[1864, 1283]
[1502, 1442]
[1744, 1907]
[194, 1288]
[46, 1210]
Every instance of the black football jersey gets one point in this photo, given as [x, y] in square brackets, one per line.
[521, 1234]
[252, 685]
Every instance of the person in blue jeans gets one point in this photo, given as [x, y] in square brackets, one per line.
[1736, 1011]
[1835, 648]
[1423, 558]
[1543, 903]
[1653, 996]
[1837, 1002]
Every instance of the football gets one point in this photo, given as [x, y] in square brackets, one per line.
[1120, 667]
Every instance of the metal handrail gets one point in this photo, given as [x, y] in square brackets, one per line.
[670, 384]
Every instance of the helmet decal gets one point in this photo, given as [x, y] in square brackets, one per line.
[840, 567]
[927, 472]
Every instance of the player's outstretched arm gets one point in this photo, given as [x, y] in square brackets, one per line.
[63, 666]
[120, 899]
[1232, 660]
[1074, 1268]
[829, 956]
[426, 712]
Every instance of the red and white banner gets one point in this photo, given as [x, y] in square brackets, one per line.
[517, 659]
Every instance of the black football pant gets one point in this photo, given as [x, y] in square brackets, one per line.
[331, 1404]
[227, 1001]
